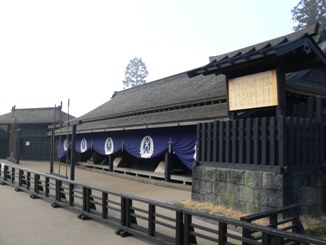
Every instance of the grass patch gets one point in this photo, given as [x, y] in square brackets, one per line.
[312, 226]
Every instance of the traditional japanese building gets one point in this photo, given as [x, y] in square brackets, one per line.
[271, 153]
[23, 132]
[145, 124]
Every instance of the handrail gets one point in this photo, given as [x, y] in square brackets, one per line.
[155, 221]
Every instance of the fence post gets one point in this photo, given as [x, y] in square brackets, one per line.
[13, 175]
[86, 199]
[123, 211]
[128, 212]
[273, 221]
[47, 188]
[57, 190]
[20, 177]
[104, 205]
[151, 219]
[71, 194]
[5, 173]
[28, 180]
[36, 182]
[186, 228]
[266, 239]
[222, 230]
[179, 228]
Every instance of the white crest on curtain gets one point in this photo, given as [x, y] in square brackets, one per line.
[108, 146]
[83, 145]
[65, 145]
[146, 147]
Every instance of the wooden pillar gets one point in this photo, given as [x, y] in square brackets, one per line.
[168, 162]
[17, 145]
[110, 163]
[280, 76]
[73, 152]
[52, 150]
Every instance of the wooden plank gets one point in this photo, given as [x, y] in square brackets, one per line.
[309, 139]
[221, 142]
[215, 142]
[227, 141]
[320, 142]
[303, 142]
[248, 141]
[319, 108]
[209, 143]
[234, 141]
[310, 106]
[290, 122]
[281, 132]
[313, 142]
[256, 141]
[272, 149]
[264, 152]
[241, 141]
[296, 141]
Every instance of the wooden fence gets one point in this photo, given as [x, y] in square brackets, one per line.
[273, 142]
[157, 222]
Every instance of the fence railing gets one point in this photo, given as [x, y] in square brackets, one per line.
[157, 222]
[262, 142]
[283, 218]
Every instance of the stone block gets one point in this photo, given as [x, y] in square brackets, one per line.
[222, 175]
[206, 188]
[220, 188]
[210, 174]
[271, 180]
[195, 186]
[275, 198]
[197, 197]
[236, 177]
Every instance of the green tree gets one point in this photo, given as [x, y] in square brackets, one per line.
[308, 12]
[135, 73]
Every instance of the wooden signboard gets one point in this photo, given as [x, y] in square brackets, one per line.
[253, 91]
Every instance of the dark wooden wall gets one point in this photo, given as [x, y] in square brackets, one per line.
[289, 143]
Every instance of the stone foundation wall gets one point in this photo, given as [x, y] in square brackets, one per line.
[256, 191]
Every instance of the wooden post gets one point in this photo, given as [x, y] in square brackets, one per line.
[179, 228]
[73, 153]
[52, 150]
[18, 146]
[168, 162]
[104, 205]
[111, 163]
[280, 74]
[151, 219]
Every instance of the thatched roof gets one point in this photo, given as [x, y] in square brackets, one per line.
[173, 100]
[33, 116]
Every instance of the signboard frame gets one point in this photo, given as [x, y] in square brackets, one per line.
[253, 91]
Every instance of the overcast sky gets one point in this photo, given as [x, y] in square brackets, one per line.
[54, 50]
